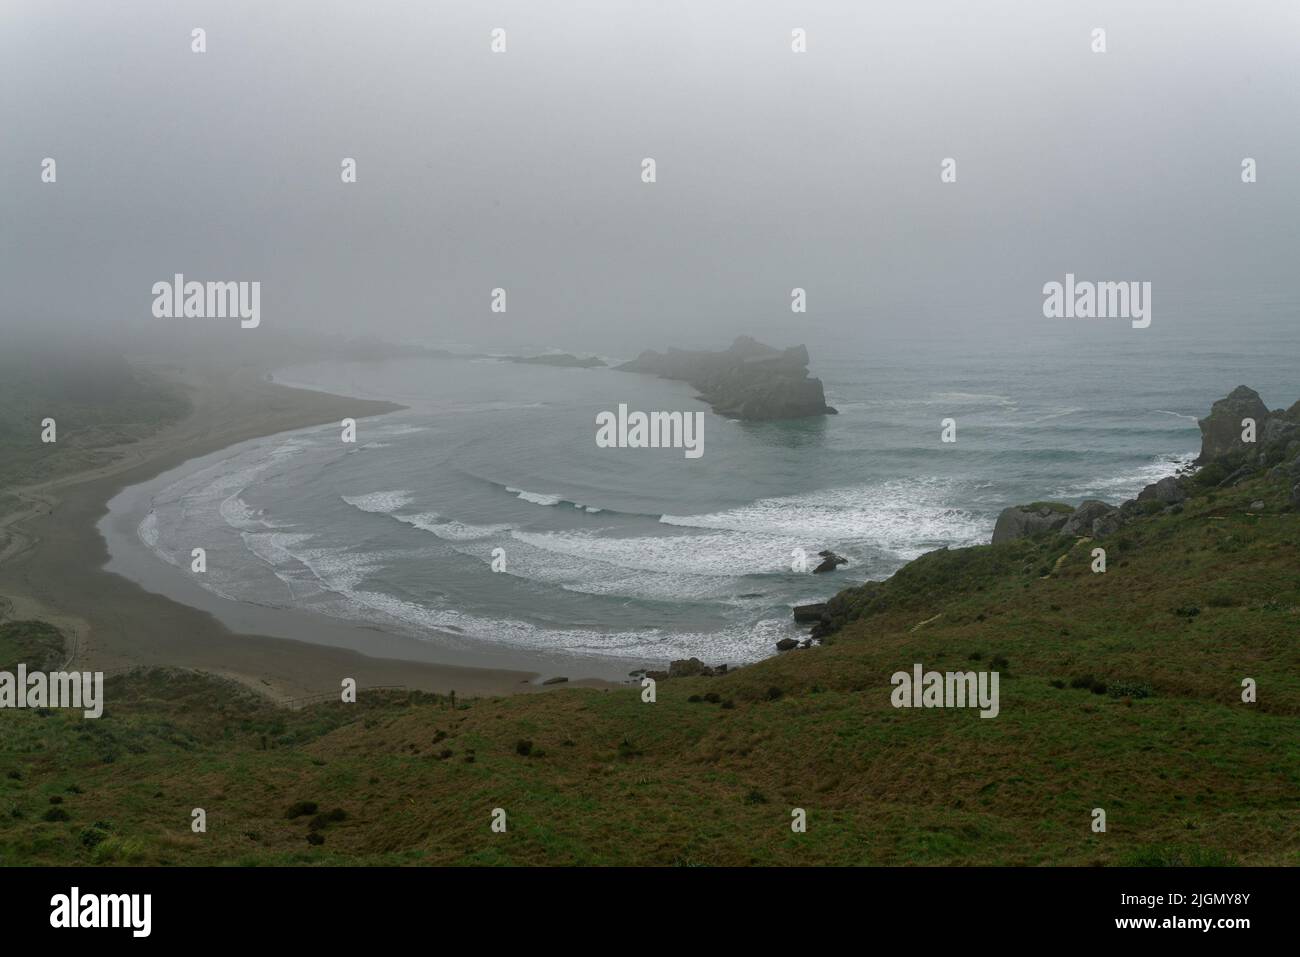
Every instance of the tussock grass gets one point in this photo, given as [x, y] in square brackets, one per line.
[599, 777]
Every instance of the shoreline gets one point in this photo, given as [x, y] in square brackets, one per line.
[57, 570]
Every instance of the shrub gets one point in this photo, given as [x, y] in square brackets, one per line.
[773, 693]
[1058, 683]
[1128, 689]
[523, 747]
[755, 797]
[1095, 685]
[92, 836]
[300, 808]
[55, 814]
[315, 838]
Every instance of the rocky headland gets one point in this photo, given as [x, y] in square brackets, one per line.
[563, 360]
[749, 380]
[1240, 438]
[1241, 441]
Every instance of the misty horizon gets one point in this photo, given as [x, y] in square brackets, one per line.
[521, 170]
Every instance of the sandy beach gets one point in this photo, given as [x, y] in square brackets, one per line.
[53, 557]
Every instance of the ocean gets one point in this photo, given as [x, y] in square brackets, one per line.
[646, 555]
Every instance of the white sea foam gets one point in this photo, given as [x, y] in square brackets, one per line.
[724, 554]
[148, 530]
[451, 530]
[239, 514]
[1126, 484]
[380, 502]
[907, 518]
[537, 498]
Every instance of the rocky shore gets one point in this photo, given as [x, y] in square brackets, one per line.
[749, 380]
[1241, 439]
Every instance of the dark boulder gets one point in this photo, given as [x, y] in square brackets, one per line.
[1084, 520]
[806, 614]
[1022, 521]
[1168, 490]
[830, 561]
[1278, 431]
[1221, 429]
[689, 668]
[786, 644]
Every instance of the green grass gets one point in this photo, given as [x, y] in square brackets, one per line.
[97, 399]
[1187, 773]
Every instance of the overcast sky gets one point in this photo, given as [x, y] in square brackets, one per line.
[523, 169]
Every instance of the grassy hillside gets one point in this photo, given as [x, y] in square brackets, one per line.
[1119, 690]
[97, 399]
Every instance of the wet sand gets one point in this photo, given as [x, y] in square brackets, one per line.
[52, 566]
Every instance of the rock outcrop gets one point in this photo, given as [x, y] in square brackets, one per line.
[1092, 519]
[749, 380]
[1221, 430]
[830, 562]
[1021, 521]
[1169, 490]
[563, 360]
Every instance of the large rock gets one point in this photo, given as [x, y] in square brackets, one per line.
[1221, 429]
[806, 614]
[1168, 490]
[1278, 430]
[1022, 521]
[830, 561]
[1084, 521]
[689, 668]
[750, 380]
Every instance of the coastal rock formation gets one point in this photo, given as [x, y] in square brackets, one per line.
[1225, 461]
[1092, 518]
[563, 360]
[686, 668]
[1221, 429]
[830, 562]
[1272, 464]
[1020, 521]
[1168, 490]
[749, 380]
[807, 614]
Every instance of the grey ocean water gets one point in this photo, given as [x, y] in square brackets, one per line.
[648, 555]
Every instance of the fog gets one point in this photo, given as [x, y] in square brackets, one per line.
[523, 169]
